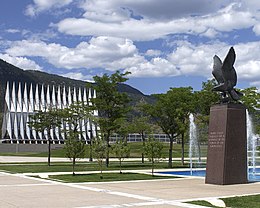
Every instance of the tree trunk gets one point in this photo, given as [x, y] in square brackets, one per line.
[101, 171]
[73, 165]
[182, 148]
[107, 156]
[120, 162]
[143, 147]
[49, 147]
[152, 167]
[199, 151]
[90, 152]
[170, 153]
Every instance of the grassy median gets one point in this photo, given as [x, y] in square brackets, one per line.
[106, 177]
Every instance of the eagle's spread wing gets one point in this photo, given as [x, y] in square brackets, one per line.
[229, 60]
[217, 72]
[228, 70]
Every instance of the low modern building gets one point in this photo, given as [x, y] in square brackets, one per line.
[23, 100]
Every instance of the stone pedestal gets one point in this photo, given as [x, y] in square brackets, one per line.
[227, 145]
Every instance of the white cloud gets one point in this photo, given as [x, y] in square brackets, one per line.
[98, 52]
[256, 29]
[157, 67]
[248, 61]
[152, 52]
[44, 5]
[21, 62]
[197, 59]
[201, 17]
[11, 30]
[116, 53]
[78, 76]
[256, 84]
[153, 9]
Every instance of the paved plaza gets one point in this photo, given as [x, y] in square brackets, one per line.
[18, 190]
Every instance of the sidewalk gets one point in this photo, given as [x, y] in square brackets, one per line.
[21, 191]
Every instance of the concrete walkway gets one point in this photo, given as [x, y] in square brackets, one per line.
[23, 191]
[19, 190]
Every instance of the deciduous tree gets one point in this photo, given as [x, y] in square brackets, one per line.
[111, 104]
[100, 149]
[43, 121]
[122, 151]
[153, 150]
[171, 113]
[74, 148]
[74, 117]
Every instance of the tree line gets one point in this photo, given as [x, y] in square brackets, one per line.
[169, 114]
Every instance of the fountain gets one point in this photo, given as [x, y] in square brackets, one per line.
[193, 144]
[251, 145]
[253, 174]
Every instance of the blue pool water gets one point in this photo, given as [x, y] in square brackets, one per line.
[202, 173]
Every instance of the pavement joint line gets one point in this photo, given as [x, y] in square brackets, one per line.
[139, 204]
[222, 197]
[25, 185]
[73, 185]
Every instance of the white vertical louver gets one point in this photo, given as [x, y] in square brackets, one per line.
[37, 98]
[22, 100]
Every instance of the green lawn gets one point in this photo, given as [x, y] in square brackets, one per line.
[106, 177]
[236, 202]
[243, 201]
[135, 151]
[202, 203]
[81, 166]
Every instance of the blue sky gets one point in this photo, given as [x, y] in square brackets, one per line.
[166, 43]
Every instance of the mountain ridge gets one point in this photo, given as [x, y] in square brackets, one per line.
[11, 73]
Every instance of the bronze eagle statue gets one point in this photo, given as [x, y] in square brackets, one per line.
[226, 76]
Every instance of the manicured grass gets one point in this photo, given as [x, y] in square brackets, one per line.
[106, 177]
[136, 152]
[54, 153]
[202, 203]
[243, 201]
[136, 149]
[235, 202]
[81, 166]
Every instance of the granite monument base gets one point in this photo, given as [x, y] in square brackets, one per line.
[227, 145]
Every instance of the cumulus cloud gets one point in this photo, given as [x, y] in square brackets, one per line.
[255, 84]
[78, 76]
[197, 59]
[143, 20]
[98, 52]
[152, 52]
[152, 9]
[112, 54]
[21, 62]
[157, 67]
[11, 30]
[44, 5]
[114, 26]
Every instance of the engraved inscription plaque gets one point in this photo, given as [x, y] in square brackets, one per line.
[216, 139]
